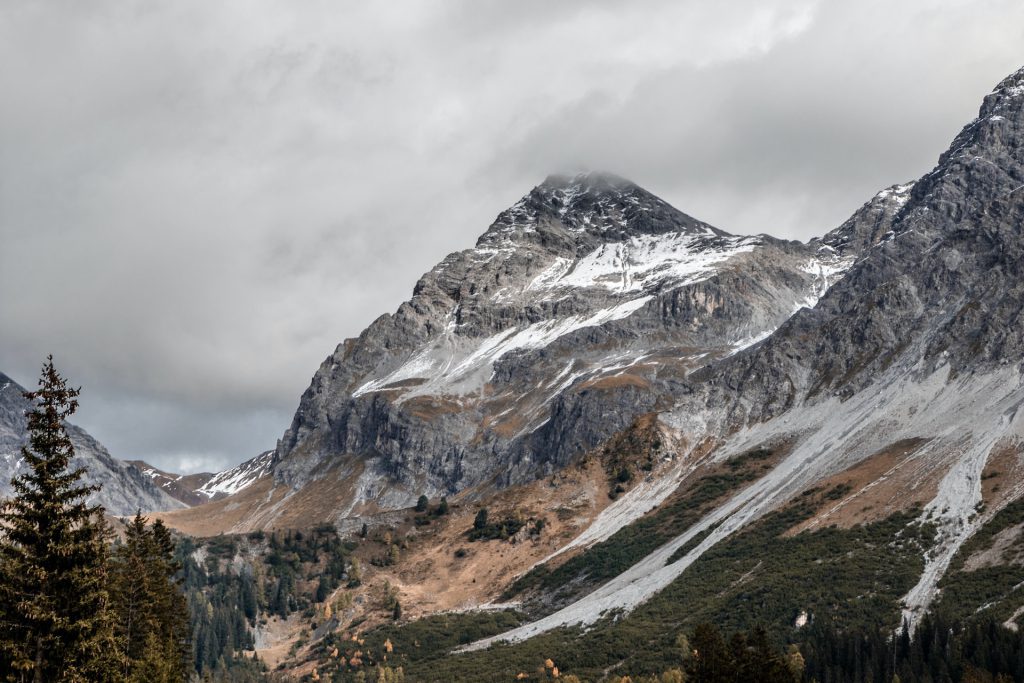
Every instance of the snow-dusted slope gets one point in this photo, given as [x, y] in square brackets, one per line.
[182, 487]
[203, 487]
[237, 478]
[448, 367]
[642, 262]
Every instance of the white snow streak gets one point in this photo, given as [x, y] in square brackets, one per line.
[458, 365]
[642, 261]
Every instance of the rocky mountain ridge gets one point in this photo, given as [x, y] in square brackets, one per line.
[125, 488]
[127, 485]
[919, 342]
[181, 487]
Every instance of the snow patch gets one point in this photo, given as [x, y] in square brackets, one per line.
[233, 480]
[898, 194]
[644, 261]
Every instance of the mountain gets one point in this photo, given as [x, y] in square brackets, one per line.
[582, 306]
[203, 487]
[181, 487]
[669, 424]
[904, 378]
[237, 478]
[125, 488]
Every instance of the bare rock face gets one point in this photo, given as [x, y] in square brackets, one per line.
[939, 281]
[584, 305]
[125, 489]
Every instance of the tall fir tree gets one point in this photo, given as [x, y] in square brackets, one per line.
[134, 617]
[152, 622]
[173, 631]
[55, 624]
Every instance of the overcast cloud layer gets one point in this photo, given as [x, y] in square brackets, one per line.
[199, 200]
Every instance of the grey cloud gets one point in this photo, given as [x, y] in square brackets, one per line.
[794, 141]
[199, 200]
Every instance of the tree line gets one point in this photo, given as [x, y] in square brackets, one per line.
[940, 650]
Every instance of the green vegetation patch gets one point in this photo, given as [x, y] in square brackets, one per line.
[245, 580]
[758, 576]
[486, 530]
[994, 589]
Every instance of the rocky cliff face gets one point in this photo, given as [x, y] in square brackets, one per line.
[922, 338]
[582, 306]
[941, 286]
[125, 489]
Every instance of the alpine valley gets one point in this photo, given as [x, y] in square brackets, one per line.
[608, 422]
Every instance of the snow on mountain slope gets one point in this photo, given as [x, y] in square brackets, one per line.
[203, 487]
[181, 487]
[642, 262]
[237, 478]
[446, 371]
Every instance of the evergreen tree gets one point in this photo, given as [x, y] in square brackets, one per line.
[173, 633]
[152, 616]
[135, 618]
[712, 661]
[422, 503]
[323, 589]
[480, 521]
[55, 624]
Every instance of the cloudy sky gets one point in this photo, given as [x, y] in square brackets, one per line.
[199, 200]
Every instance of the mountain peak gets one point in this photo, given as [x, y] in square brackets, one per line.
[1012, 85]
[871, 222]
[1006, 101]
[588, 205]
[592, 182]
